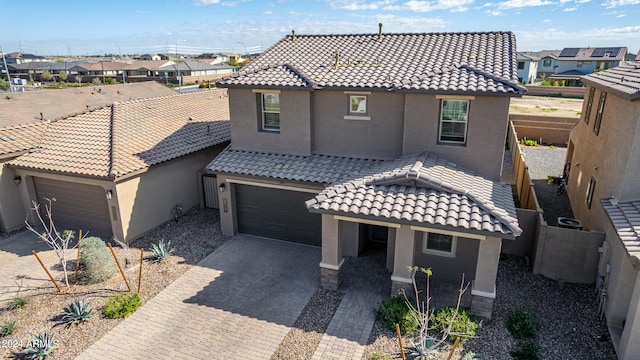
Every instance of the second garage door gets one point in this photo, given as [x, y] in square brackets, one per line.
[279, 214]
[77, 206]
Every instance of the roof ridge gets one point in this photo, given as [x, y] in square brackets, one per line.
[288, 36]
[493, 77]
[110, 171]
[300, 74]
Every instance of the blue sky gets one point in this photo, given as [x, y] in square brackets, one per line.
[195, 26]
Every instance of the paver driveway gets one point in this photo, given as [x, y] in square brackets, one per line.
[238, 303]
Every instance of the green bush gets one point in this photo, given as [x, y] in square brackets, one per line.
[395, 310]
[528, 142]
[120, 306]
[522, 324]
[378, 356]
[40, 346]
[95, 256]
[527, 351]
[7, 328]
[463, 326]
[473, 356]
[77, 311]
[17, 302]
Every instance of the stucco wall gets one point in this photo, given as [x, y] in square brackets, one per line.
[523, 244]
[447, 268]
[147, 200]
[295, 123]
[11, 209]
[545, 129]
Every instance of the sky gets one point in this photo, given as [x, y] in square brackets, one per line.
[62, 28]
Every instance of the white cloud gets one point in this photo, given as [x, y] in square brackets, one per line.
[495, 12]
[582, 1]
[610, 4]
[516, 4]
[570, 9]
[205, 2]
[547, 21]
[558, 39]
[427, 6]
[620, 16]
[360, 5]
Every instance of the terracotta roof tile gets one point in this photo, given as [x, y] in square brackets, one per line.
[432, 62]
[18, 138]
[623, 80]
[131, 136]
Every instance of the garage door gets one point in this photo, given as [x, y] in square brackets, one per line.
[77, 206]
[279, 214]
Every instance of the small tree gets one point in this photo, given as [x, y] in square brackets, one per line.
[63, 76]
[96, 81]
[4, 84]
[46, 75]
[78, 78]
[59, 242]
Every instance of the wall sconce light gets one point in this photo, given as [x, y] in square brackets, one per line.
[221, 187]
[109, 193]
[17, 180]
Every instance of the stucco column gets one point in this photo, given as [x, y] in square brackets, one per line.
[483, 291]
[226, 203]
[402, 259]
[629, 346]
[332, 259]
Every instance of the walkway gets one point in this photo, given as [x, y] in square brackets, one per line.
[238, 303]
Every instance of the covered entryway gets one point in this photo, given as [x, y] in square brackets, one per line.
[77, 205]
[276, 213]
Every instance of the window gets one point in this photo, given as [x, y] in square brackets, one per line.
[587, 113]
[357, 104]
[453, 121]
[590, 189]
[596, 124]
[520, 65]
[546, 62]
[270, 111]
[439, 244]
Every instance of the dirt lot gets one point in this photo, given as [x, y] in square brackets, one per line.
[546, 106]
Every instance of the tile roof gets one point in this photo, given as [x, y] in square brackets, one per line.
[126, 137]
[321, 169]
[625, 217]
[526, 57]
[188, 65]
[430, 62]
[623, 80]
[25, 107]
[424, 189]
[18, 138]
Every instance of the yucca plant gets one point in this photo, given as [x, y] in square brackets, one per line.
[17, 302]
[161, 251]
[77, 311]
[40, 346]
[7, 328]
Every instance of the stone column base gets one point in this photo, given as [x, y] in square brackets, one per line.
[331, 277]
[482, 306]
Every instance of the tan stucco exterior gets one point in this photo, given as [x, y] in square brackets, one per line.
[10, 200]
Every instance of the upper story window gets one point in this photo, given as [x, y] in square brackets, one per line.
[587, 113]
[454, 115]
[270, 111]
[357, 104]
[590, 189]
[546, 62]
[439, 244]
[596, 124]
[520, 65]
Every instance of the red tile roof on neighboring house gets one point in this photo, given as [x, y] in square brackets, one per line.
[429, 62]
[19, 138]
[131, 136]
[623, 80]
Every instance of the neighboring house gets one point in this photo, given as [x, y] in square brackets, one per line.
[128, 167]
[154, 57]
[103, 68]
[145, 68]
[638, 56]
[335, 143]
[569, 64]
[22, 58]
[25, 117]
[603, 159]
[194, 68]
[527, 68]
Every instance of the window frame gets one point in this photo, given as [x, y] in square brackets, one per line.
[357, 112]
[263, 111]
[587, 113]
[597, 124]
[590, 191]
[521, 63]
[428, 251]
[546, 62]
[442, 121]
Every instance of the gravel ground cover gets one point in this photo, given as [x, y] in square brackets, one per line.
[194, 236]
[570, 327]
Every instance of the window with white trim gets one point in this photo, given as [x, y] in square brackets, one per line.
[453, 121]
[270, 111]
[439, 244]
[546, 62]
[357, 104]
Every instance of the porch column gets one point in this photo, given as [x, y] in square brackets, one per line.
[402, 259]
[332, 259]
[483, 291]
[629, 347]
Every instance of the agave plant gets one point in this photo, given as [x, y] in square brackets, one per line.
[40, 346]
[161, 251]
[425, 349]
[77, 311]
[7, 328]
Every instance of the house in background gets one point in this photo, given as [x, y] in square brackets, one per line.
[152, 57]
[603, 158]
[23, 58]
[335, 143]
[126, 168]
[527, 68]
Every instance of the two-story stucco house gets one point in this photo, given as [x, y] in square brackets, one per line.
[603, 187]
[343, 140]
[527, 68]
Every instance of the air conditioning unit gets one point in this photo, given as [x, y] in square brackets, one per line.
[569, 223]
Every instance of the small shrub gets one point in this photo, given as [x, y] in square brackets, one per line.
[95, 256]
[161, 251]
[202, 250]
[77, 311]
[40, 346]
[120, 306]
[522, 324]
[463, 326]
[8, 327]
[473, 356]
[395, 310]
[17, 302]
[378, 356]
[528, 142]
[108, 81]
[527, 351]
